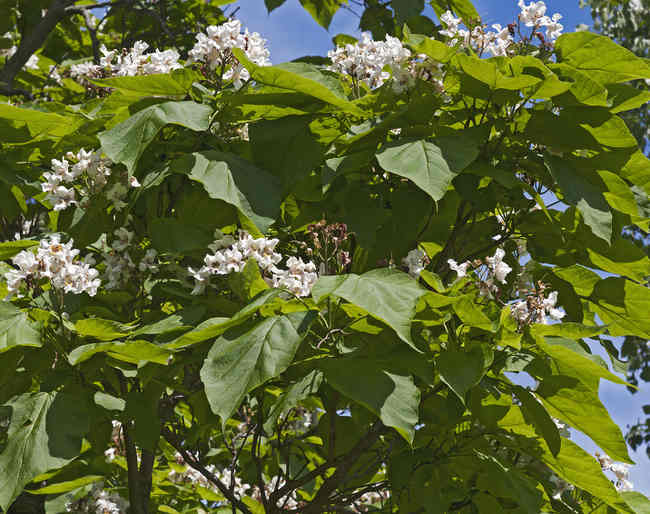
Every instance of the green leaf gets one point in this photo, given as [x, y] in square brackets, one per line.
[488, 71]
[585, 195]
[600, 57]
[571, 400]
[39, 123]
[393, 397]
[582, 279]
[236, 181]
[177, 83]
[300, 77]
[388, 295]
[134, 352]
[68, 485]
[623, 305]
[579, 468]
[102, 329]
[626, 98]
[429, 166]
[248, 283]
[10, 248]
[435, 49]
[127, 141]
[405, 9]
[294, 394]
[273, 4]
[322, 10]
[463, 8]
[637, 502]
[461, 370]
[172, 235]
[45, 432]
[109, 402]
[536, 414]
[16, 329]
[214, 327]
[244, 358]
[472, 314]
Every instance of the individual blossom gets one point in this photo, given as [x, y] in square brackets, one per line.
[532, 13]
[298, 278]
[56, 262]
[366, 60]
[620, 470]
[497, 266]
[214, 49]
[460, 269]
[415, 261]
[535, 308]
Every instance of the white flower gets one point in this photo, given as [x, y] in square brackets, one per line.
[553, 27]
[497, 266]
[460, 269]
[133, 182]
[32, 62]
[532, 13]
[415, 262]
[214, 48]
[365, 61]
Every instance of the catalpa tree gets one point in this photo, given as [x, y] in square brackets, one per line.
[371, 282]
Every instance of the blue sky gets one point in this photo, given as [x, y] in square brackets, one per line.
[291, 33]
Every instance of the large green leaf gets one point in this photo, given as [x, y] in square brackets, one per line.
[244, 358]
[127, 141]
[292, 395]
[16, 329]
[536, 414]
[600, 57]
[10, 248]
[134, 352]
[585, 195]
[236, 181]
[391, 396]
[45, 432]
[461, 370]
[623, 306]
[177, 83]
[582, 279]
[214, 327]
[101, 329]
[577, 467]
[571, 400]
[300, 77]
[637, 502]
[488, 71]
[388, 295]
[429, 166]
[39, 123]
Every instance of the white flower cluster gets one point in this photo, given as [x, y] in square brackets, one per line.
[482, 40]
[55, 262]
[88, 169]
[99, 501]
[366, 60]
[128, 63]
[535, 308]
[534, 15]
[415, 261]
[620, 470]
[119, 266]
[231, 256]
[214, 48]
[498, 41]
[494, 270]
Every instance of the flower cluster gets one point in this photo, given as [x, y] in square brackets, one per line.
[366, 60]
[128, 63]
[99, 501]
[120, 268]
[499, 41]
[54, 261]
[620, 470]
[536, 307]
[88, 170]
[214, 49]
[231, 256]
[491, 271]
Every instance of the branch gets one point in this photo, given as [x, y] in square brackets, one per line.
[189, 459]
[31, 42]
